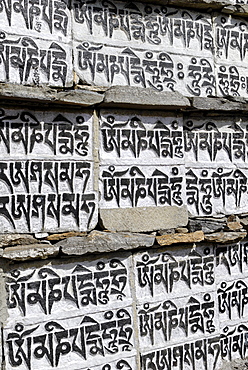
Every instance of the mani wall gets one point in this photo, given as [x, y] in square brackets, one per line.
[124, 185]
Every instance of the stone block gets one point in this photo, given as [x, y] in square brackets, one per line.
[100, 242]
[16, 239]
[29, 252]
[169, 239]
[53, 163]
[143, 219]
[219, 104]
[136, 97]
[225, 237]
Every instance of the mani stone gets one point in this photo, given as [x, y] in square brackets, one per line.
[138, 97]
[225, 237]
[28, 252]
[143, 219]
[100, 241]
[169, 239]
[7, 240]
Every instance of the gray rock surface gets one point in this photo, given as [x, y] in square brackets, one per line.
[100, 241]
[225, 237]
[29, 252]
[16, 239]
[205, 226]
[48, 95]
[137, 97]
[219, 104]
[143, 219]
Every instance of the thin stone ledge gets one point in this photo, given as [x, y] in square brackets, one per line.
[30, 252]
[220, 104]
[45, 95]
[137, 97]
[101, 242]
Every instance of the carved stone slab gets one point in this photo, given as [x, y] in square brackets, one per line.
[47, 179]
[143, 26]
[35, 294]
[35, 61]
[137, 139]
[40, 19]
[100, 64]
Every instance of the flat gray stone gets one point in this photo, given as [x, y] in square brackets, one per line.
[79, 97]
[29, 252]
[100, 241]
[48, 95]
[16, 239]
[143, 219]
[205, 226]
[225, 237]
[219, 104]
[137, 97]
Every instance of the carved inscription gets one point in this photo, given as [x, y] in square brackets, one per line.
[215, 141]
[138, 139]
[80, 340]
[31, 61]
[167, 275]
[82, 286]
[201, 354]
[134, 186]
[107, 65]
[165, 322]
[41, 193]
[46, 19]
[47, 134]
[147, 25]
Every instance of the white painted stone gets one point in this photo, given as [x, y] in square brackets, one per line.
[220, 190]
[70, 289]
[174, 273]
[47, 175]
[34, 134]
[230, 35]
[100, 64]
[215, 140]
[141, 186]
[77, 342]
[208, 353]
[33, 61]
[47, 20]
[231, 261]
[140, 139]
[233, 301]
[231, 79]
[145, 26]
[177, 321]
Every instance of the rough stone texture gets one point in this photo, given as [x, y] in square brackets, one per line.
[29, 252]
[235, 365]
[128, 96]
[143, 219]
[205, 226]
[79, 98]
[57, 237]
[225, 237]
[234, 226]
[99, 241]
[169, 239]
[219, 104]
[50, 96]
[16, 239]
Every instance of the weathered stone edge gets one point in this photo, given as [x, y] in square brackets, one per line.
[106, 242]
[119, 97]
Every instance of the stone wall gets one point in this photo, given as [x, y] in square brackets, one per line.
[124, 185]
